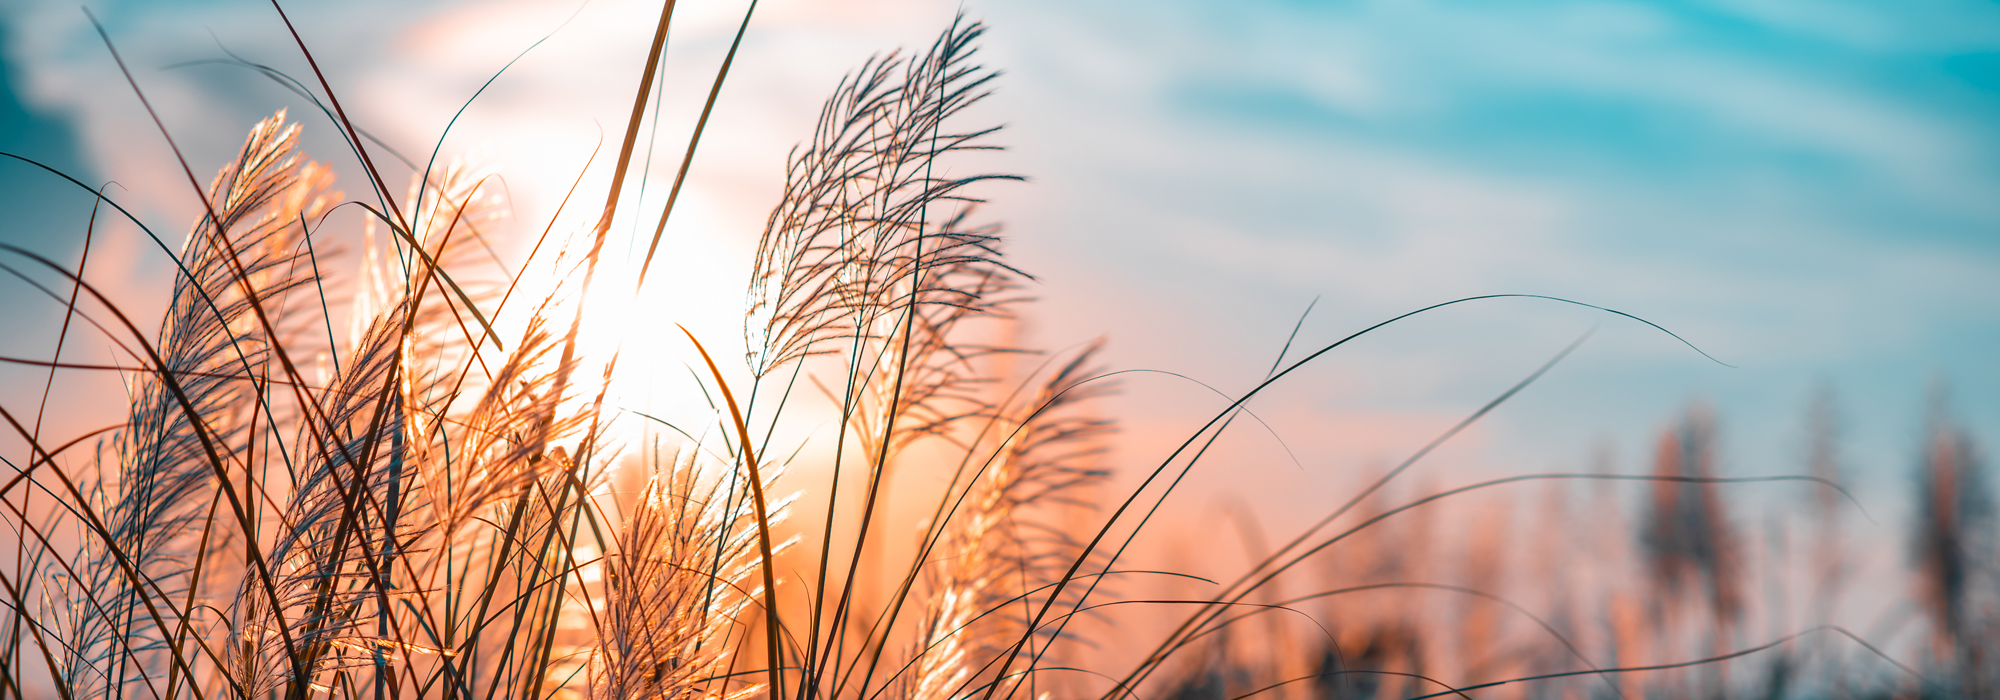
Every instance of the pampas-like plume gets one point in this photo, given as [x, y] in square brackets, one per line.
[1952, 540]
[249, 254]
[678, 590]
[1006, 544]
[396, 464]
[854, 240]
[324, 550]
[1687, 536]
[873, 257]
[1689, 543]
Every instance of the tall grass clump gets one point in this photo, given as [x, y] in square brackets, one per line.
[423, 507]
[435, 502]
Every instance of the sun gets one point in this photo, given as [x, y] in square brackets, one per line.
[631, 333]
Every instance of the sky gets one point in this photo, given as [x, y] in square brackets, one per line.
[1803, 190]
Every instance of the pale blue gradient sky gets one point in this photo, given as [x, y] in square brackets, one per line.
[1805, 189]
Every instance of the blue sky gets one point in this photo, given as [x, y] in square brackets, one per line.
[1805, 189]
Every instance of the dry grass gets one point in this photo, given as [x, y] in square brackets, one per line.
[424, 505]
[424, 512]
